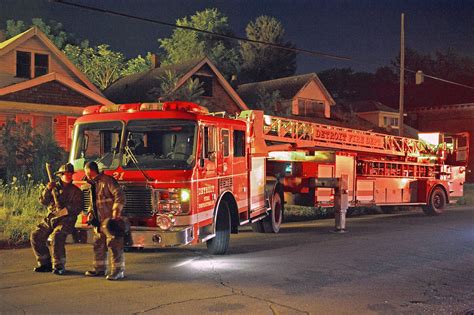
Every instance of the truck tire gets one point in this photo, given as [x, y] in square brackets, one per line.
[272, 223]
[219, 244]
[436, 203]
[258, 227]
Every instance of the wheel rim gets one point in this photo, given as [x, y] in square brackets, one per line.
[277, 213]
[437, 202]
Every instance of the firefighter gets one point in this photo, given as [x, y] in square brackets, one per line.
[58, 223]
[107, 201]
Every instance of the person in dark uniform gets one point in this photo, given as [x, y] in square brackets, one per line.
[58, 223]
[107, 201]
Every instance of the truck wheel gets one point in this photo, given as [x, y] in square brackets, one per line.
[272, 223]
[436, 203]
[258, 227]
[218, 244]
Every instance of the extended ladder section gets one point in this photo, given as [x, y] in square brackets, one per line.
[304, 135]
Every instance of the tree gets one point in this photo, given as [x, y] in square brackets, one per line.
[268, 101]
[261, 62]
[185, 44]
[101, 65]
[136, 65]
[191, 91]
[54, 30]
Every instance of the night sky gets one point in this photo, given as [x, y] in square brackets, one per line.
[366, 31]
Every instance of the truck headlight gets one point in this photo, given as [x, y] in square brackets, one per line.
[164, 221]
[172, 200]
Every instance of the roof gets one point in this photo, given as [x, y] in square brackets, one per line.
[12, 43]
[28, 108]
[369, 106]
[136, 87]
[288, 87]
[55, 77]
[447, 107]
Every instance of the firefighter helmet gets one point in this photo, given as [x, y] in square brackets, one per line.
[116, 227]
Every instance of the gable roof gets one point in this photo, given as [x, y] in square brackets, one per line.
[369, 106]
[136, 87]
[55, 77]
[17, 40]
[288, 87]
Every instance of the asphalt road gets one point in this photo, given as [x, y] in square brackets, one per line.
[386, 264]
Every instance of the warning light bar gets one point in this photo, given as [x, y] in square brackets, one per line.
[135, 107]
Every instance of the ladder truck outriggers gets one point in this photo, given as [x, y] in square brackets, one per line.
[191, 176]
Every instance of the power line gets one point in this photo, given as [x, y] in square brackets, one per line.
[441, 79]
[241, 39]
[189, 28]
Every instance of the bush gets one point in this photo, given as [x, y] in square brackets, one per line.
[20, 209]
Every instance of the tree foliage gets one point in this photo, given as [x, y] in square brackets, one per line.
[190, 91]
[185, 44]
[261, 62]
[268, 101]
[25, 152]
[54, 30]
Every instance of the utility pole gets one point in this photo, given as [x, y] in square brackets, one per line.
[402, 75]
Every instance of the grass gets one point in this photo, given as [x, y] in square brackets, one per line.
[20, 210]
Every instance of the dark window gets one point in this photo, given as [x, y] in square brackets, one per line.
[239, 143]
[23, 64]
[206, 84]
[225, 140]
[41, 65]
[209, 141]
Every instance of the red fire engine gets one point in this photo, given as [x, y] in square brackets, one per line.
[191, 176]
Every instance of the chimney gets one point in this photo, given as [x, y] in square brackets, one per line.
[155, 62]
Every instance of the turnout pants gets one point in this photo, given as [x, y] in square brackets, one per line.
[101, 245]
[39, 238]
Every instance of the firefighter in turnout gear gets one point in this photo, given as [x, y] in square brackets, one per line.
[107, 201]
[58, 223]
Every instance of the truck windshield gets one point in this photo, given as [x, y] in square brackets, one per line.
[98, 142]
[160, 144]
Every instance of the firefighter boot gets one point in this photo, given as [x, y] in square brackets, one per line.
[95, 273]
[44, 268]
[59, 271]
[116, 275]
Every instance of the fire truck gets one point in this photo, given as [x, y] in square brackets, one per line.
[191, 176]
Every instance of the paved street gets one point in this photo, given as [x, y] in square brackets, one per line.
[386, 264]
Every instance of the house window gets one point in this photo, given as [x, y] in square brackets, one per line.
[310, 108]
[23, 64]
[390, 122]
[41, 65]
[206, 84]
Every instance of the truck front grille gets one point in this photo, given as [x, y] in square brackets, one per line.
[138, 201]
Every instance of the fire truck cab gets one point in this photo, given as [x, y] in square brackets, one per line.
[190, 176]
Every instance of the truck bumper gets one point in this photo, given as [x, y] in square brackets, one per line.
[155, 237]
[147, 237]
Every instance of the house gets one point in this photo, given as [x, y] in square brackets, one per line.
[145, 86]
[454, 118]
[301, 95]
[39, 85]
[383, 117]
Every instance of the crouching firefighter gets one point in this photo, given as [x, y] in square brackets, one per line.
[107, 201]
[64, 201]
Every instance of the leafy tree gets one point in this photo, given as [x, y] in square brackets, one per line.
[191, 91]
[184, 44]
[54, 30]
[101, 65]
[262, 62]
[268, 101]
[136, 65]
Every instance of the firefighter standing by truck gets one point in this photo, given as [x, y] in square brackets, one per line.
[107, 201]
[58, 223]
